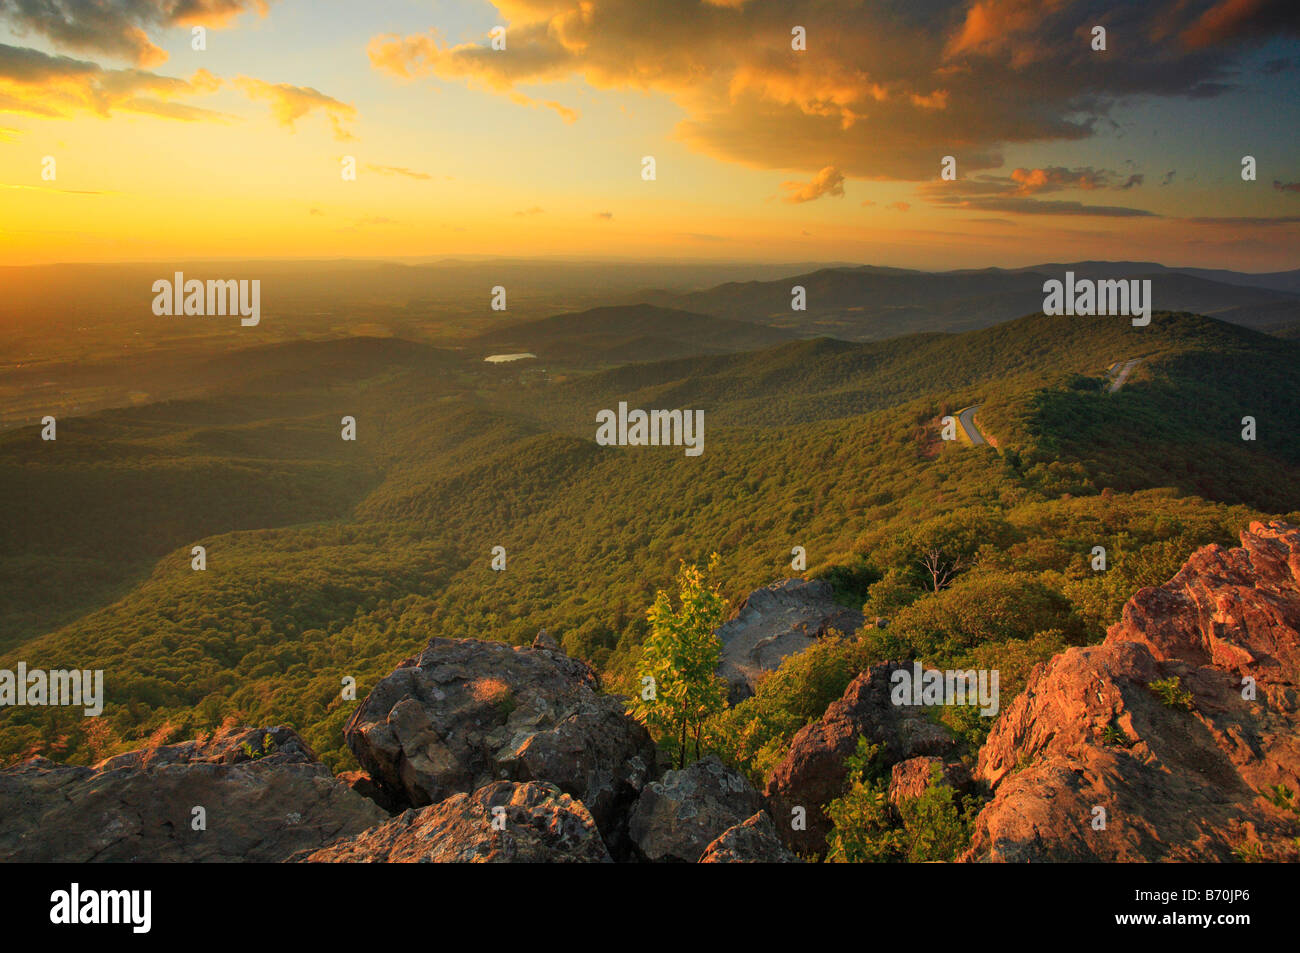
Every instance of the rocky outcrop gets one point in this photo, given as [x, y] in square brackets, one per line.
[263, 796]
[753, 841]
[909, 779]
[1174, 776]
[467, 712]
[502, 822]
[812, 774]
[365, 785]
[676, 818]
[782, 619]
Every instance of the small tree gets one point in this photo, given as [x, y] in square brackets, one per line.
[941, 567]
[679, 687]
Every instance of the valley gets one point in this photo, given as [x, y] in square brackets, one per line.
[330, 559]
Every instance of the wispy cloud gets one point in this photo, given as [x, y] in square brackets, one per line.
[40, 84]
[829, 181]
[58, 87]
[290, 103]
[1019, 192]
[397, 170]
[47, 188]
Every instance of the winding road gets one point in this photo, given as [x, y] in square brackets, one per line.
[1121, 376]
[967, 419]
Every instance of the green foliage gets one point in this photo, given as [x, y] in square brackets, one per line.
[1114, 737]
[892, 593]
[1085, 383]
[1172, 693]
[851, 580]
[936, 825]
[862, 829]
[992, 606]
[1281, 796]
[755, 734]
[1249, 852]
[266, 746]
[680, 657]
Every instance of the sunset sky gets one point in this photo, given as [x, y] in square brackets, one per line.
[762, 152]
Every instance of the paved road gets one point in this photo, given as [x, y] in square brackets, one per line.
[967, 419]
[1125, 370]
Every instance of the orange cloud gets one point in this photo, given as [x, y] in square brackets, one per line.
[879, 93]
[1224, 20]
[567, 114]
[992, 25]
[290, 103]
[1055, 177]
[57, 87]
[829, 181]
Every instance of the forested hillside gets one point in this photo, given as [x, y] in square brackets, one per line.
[330, 558]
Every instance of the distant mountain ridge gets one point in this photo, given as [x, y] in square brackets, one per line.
[871, 303]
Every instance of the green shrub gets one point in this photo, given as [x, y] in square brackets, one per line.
[755, 734]
[1172, 693]
[936, 825]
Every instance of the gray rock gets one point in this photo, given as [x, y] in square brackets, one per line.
[676, 818]
[264, 794]
[774, 622]
[365, 785]
[534, 823]
[544, 640]
[754, 841]
[467, 712]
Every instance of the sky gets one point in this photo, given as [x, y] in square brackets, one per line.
[762, 152]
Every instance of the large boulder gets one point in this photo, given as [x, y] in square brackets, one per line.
[812, 774]
[753, 841]
[776, 621]
[467, 712]
[365, 785]
[677, 817]
[909, 779]
[1178, 776]
[263, 793]
[503, 822]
